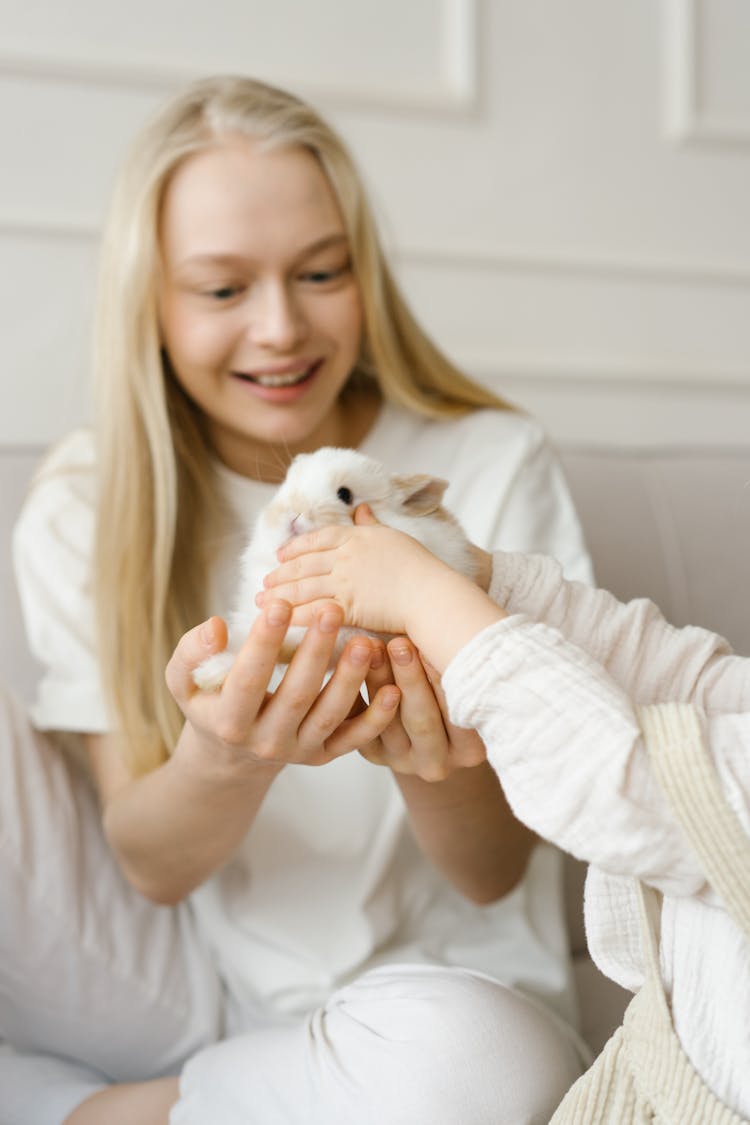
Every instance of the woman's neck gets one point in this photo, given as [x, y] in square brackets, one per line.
[348, 424]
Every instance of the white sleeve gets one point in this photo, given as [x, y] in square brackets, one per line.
[651, 660]
[52, 547]
[537, 514]
[566, 744]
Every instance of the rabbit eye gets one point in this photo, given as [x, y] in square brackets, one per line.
[345, 494]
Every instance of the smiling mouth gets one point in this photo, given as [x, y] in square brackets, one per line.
[287, 379]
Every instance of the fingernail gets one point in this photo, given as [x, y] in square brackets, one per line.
[377, 659]
[359, 654]
[207, 633]
[390, 699]
[277, 614]
[328, 622]
[402, 654]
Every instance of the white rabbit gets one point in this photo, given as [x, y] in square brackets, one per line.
[324, 488]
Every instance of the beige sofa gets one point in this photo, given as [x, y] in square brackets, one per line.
[671, 524]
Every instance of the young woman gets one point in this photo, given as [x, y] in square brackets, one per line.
[359, 941]
[625, 741]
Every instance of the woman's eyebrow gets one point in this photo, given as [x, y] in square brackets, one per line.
[221, 258]
[338, 239]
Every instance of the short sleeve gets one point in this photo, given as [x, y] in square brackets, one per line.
[538, 515]
[52, 554]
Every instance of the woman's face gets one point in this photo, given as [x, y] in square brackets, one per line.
[260, 313]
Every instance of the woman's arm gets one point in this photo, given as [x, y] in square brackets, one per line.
[456, 805]
[457, 809]
[147, 1103]
[173, 827]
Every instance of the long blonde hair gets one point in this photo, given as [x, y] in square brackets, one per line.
[156, 489]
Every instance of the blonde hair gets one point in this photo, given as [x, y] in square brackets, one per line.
[156, 490]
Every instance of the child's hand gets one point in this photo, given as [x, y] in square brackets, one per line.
[373, 572]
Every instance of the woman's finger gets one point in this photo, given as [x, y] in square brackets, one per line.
[194, 647]
[366, 727]
[393, 744]
[302, 682]
[466, 747]
[420, 713]
[244, 690]
[338, 701]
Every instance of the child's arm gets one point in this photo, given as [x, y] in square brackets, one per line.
[388, 577]
[651, 660]
[383, 580]
[173, 827]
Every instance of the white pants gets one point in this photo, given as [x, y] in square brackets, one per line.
[90, 971]
[97, 985]
[401, 1045]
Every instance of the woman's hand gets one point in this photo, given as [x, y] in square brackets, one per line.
[244, 725]
[459, 816]
[173, 827]
[421, 740]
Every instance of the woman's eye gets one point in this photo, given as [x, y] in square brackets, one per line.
[322, 277]
[345, 495]
[224, 292]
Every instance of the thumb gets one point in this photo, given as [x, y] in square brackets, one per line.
[363, 515]
[202, 641]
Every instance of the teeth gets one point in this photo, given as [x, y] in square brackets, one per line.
[282, 380]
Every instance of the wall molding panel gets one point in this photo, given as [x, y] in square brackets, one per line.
[564, 187]
[447, 81]
[690, 36]
[613, 267]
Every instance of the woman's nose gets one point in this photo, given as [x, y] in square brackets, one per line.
[276, 320]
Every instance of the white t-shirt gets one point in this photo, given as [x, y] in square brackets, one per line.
[329, 881]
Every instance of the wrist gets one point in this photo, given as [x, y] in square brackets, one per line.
[447, 610]
[209, 762]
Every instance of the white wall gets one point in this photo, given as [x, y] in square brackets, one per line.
[566, 186]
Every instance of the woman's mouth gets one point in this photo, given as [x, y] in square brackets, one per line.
[273, 380]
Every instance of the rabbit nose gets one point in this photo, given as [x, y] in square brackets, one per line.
[300, 523]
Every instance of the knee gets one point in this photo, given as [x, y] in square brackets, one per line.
[459, 1047]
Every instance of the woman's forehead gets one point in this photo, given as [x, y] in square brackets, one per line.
[237, 190]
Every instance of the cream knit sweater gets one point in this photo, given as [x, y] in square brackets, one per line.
[561, 723]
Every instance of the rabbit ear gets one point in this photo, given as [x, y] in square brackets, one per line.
[419, 494]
